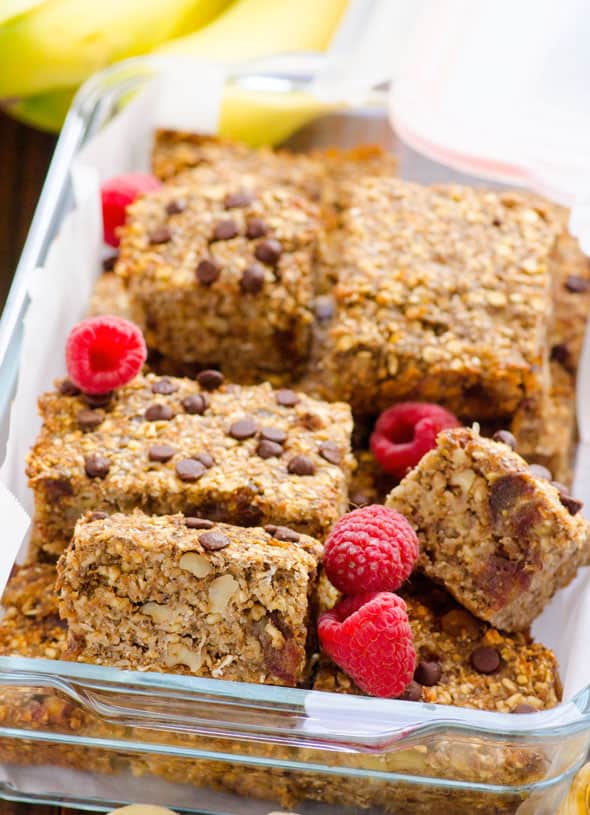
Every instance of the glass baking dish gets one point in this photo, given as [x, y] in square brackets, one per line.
[96, 737]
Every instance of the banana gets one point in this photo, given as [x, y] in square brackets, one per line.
[59, 43]
[577, 801]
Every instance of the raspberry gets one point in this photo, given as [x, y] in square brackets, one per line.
[370, 638]
[116, 195]
[103, 353]
[405, 432]
[370, 549]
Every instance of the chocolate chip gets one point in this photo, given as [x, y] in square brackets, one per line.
[301, 465]
[485, 660]
[413, 693]
[96, 466]
[540, 472]
[330, 452]
[324, 308]
[89, 419]
[161, 234]
[505, 437]
[189, 469]
[97, 516]
[207, 272]
[237, 199]
[164, 386]
[108, 264]
[496, 222]
[273, 434]
[210, 379]
[287, 398]
[268, 251]
[252, 279]
[524, 708]
[198, 523]
[225, 230]
[176, 206]
[95, 400]
[67, 388]
[270, 528]
[213, 541]
[576, 284]
[561, 353]
[283, 533]
[161, 452]
[159, 413]
[243, 428]
[255, 228]
[56, 488]
[206, 460]
[269, 449]
[196, 403]
[357, 500]
[573, 505]
[428, 672]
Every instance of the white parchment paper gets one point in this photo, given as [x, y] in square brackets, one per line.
[185, 98]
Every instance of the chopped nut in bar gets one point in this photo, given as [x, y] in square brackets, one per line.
[181, 594]
[500, 538]
[244, 455]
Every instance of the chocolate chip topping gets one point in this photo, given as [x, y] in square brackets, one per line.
[189, 469]
[540, 472]
[524, 708]
[164, 386]
[243, 428]
[159, 413]
[252, 279]
[161, 452]
[56, 488]
[213, 541]
[176, 206]
[89, 419]
[270, 528]
[330, 452]
[210, 379]
[428, 672]
[95, 400]
[225, 230]
[561, 353]
[97, 516]
[287, 398]
[206, 459]
[301, 465]
[273, 434]
[358, 499]
[238, 199]
[324, 308]
[505, 437]
[207, 272]
[269, 449]
[283, 533]
[161, 234]
[196, 403]
[96, 466]
[485, 660]
[255, 228]
[413, 693]
[268, 251]
[67, 388]
[576, 284]
[108, 264]
[573, 505]
[198, 523]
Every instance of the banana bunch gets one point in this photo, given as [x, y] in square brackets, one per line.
[48, 47]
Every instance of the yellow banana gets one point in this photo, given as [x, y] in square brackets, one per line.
[577, 801]
[60, 43]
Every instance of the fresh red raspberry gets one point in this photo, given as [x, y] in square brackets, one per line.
[405, 432]
[370, 549]
[116, 195]
[370, 638]
[103, 353]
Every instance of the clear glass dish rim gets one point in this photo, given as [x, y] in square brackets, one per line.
[401, 722]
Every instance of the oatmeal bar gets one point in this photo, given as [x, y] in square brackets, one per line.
[222, 275]
[109, 296]
[500, 539]
[244, 455]
[170, 593]
[444, 295]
